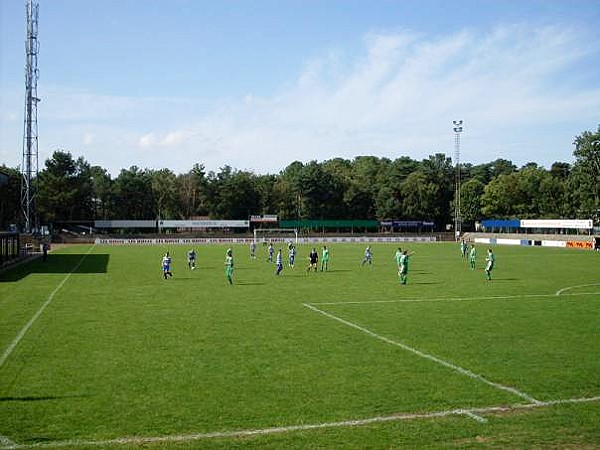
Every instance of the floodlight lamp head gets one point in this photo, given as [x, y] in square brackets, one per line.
[457, 122]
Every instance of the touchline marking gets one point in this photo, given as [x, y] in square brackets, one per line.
[456, 299]
[575, 287]
[470, 412]
[424, 355]
[474, 416]
[6, 442]
[39, 312]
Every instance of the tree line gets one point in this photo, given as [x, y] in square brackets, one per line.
[366, 187]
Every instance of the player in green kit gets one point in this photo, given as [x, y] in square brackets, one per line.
[398, 258]
[229, 266]
[324, 258]
[491, 261]
[472, 257]
[404, 262]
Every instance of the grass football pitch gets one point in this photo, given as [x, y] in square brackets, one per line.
[97, 350]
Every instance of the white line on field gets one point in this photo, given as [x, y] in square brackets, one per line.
[6, 442]
[424, 355]
[39, 312]
[575, 287]
[454, 299]
[474, 416]
[470, 412]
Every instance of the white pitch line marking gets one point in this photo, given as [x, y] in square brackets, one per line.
[474, 416]
[424, 355]
[306, 427]
[452, 299]
[559, 292]
[39, 312]
[6, 442]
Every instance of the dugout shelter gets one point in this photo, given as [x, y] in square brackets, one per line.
[9, 247]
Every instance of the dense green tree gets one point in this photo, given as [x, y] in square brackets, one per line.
[528, 193]
[420, 200]
[287, 192]
[389, 196]
[560, 170]
[102, 187]
[439, 172]
[233, 194]
[265, 188]
[470, 202]
[501, 167]
[587, 154]
[193, 192]
[65, 189]
[366, 187]
[10, 197]
[319, 195]
[164, 194]
[498, 196]
[133, 195]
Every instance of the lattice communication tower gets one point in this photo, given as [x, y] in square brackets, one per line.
[29, 166]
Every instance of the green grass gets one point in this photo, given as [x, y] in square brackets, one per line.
[119, 352]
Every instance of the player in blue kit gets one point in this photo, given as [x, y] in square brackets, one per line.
[292, 256]
[270, 250]
[191, 256]
[279, 262]
[166, 265]
[368, 256]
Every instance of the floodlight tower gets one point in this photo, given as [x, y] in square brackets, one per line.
[457, 216]
[29, 166]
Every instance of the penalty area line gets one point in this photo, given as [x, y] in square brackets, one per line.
[560, 292]
[39, 312]
[456, 299]
[473, 413]
[424, 355]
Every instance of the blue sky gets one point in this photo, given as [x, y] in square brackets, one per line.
[259, 84]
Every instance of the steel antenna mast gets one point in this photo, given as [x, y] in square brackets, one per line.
[29, 167]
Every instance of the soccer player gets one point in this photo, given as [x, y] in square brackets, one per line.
[191, 256]
[491, 261]
[368, 256]
[324, 258]
[292, 256]
[404, 262]
[398, 258]
[472, 257]
[313, 257]
[271, 250]
[252, 250]
[229, 266]
[279, 262]
[166, 265]
[463, 248]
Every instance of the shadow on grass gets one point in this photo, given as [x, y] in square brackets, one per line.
[59, 263]
[43, 398]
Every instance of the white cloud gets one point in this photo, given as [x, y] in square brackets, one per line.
[521, 91]
[147, 140]
[511, 85]
[88, 138]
